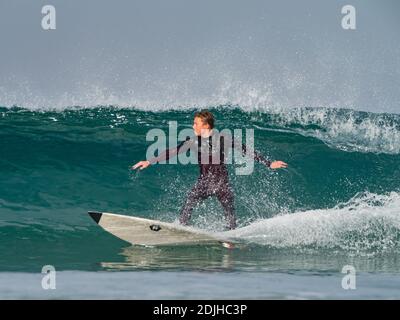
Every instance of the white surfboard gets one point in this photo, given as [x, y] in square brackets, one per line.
[140, 231]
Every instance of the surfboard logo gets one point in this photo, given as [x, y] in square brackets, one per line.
[155, 227]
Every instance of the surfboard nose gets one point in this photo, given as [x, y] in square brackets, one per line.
[96, 216]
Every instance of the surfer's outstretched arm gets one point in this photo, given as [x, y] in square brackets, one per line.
[165, 155]
[257, 156]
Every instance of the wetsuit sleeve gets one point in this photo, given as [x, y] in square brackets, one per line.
[169, 153]
[256, 155]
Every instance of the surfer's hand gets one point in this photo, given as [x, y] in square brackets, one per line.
[278, 164]
[141, 165]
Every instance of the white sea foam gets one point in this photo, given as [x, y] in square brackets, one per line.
[347, 130]
[367, 223]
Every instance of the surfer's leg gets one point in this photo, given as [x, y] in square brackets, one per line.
[195, 195]
[226, 197]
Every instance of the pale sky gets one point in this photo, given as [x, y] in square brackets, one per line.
[158, 53]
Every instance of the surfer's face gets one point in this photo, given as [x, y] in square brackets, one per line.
[199, 126]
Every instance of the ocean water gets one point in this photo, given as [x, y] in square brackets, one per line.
[337, 204]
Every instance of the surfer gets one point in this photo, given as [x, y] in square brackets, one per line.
[213, 179]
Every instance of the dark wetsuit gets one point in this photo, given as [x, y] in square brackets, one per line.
[213, 179]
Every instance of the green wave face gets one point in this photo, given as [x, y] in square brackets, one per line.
[340, 191]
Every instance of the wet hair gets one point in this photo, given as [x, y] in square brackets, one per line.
[206, 116]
